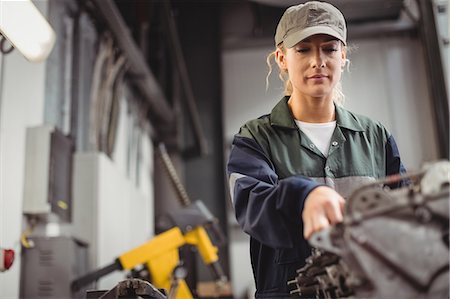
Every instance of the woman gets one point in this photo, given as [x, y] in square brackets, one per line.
[290, 170]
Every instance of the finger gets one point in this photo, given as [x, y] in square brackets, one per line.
[342, 205]
[333, 212]
[307, 227]
[312, 224]
[320, 221]
[306, 231]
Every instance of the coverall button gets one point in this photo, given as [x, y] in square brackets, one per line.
[334, 143]
[327, 168]
[311, 145]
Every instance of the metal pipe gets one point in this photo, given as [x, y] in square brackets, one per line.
[159, 109]
[435, 69]
[201, 143]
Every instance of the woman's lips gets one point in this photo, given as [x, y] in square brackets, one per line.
[318, 76]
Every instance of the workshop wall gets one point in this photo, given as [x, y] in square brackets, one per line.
[33, 94]
[22, 96]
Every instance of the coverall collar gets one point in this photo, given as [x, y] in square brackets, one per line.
[281, 116]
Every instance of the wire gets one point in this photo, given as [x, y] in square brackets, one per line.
[4, 41]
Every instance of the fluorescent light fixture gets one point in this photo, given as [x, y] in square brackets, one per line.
[25, 27]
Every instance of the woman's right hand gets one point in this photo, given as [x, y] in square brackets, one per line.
[323, 207]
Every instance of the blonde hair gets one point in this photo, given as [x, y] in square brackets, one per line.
[338, 95]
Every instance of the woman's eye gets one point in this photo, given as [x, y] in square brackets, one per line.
[302, 50]
[330, 50]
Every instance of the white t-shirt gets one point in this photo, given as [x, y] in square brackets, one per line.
[319, 133]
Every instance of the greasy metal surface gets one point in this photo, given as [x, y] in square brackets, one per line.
[391, 244]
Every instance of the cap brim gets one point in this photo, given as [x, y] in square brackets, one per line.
[296, 37]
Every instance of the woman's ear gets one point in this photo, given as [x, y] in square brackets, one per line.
[344, 57]
[280, 58]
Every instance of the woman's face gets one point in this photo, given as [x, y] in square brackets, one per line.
[314, 65]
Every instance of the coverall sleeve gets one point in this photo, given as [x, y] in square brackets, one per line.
[394, 164]
[267, 208]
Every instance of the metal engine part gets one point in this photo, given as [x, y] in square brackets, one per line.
[129, 288]
[391, 244]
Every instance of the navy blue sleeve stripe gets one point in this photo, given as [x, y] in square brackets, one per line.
[394, 164]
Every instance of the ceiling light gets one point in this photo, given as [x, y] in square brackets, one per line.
[25, 27]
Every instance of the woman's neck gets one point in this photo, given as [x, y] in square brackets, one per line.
[312, 110]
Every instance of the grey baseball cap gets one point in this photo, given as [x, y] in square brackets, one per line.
[301, 21]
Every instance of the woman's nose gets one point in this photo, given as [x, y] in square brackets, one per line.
[318, 60]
